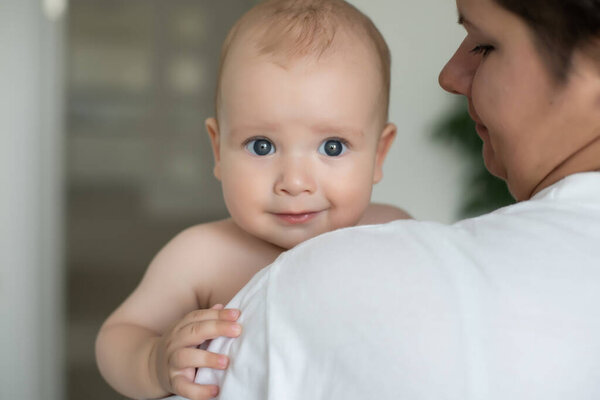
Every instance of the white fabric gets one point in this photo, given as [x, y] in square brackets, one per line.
[504, 306]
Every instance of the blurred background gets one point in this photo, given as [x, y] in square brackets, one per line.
[104, 158]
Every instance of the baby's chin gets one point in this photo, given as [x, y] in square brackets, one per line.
[291, 241]
[287, 244]
[292, 236]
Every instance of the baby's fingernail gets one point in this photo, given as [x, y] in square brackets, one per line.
[236, 329]
[214, 391]
[233, 313]
[223, 361]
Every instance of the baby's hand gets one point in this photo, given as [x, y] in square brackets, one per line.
[178, 356]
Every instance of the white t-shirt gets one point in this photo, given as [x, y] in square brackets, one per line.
[503, 306]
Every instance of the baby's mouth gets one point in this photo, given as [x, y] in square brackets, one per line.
[297, 218]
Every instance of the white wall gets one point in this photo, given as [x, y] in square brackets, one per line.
[31, 278]
[421, 175]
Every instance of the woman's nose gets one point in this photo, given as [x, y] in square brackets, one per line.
[457, 75]
[295, 177]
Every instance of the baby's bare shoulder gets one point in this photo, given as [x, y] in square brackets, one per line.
[213, 259]
[378, 213]
[200, 246]
[222, 233]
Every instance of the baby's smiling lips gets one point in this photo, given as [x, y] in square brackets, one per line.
[297, 218]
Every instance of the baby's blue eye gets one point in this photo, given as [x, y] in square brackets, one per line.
[332, 148]
[260, 147]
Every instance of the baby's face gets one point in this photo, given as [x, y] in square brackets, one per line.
[299, 148]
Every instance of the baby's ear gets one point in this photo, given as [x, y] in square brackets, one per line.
[385, 142]
[212, 127]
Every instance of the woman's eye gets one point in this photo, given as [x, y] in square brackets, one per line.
[260, 147]
[332, 148]
[482, 49]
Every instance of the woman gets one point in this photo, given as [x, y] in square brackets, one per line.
[503, 306]
[529, 70]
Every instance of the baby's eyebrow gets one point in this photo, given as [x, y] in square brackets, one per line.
[244, 130]
[339, 129]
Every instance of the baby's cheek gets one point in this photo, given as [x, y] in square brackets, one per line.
[351, 203]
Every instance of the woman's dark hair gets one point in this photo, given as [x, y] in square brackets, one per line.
[560, 27]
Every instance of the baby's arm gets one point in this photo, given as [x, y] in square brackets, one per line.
[147, 347]
[381, 213]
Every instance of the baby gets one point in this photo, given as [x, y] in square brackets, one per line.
[299, 138]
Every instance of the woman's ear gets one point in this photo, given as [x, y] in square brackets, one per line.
[212, 127]
[385, 142]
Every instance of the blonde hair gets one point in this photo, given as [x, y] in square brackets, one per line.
[300, 28]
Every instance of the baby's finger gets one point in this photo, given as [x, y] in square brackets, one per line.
[196, 358]
[229, 314]
[193, 391]
[217, 307]
[195, 333]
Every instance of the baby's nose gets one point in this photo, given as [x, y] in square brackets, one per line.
[295, 177]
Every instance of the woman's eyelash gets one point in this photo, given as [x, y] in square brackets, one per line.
[482, 49]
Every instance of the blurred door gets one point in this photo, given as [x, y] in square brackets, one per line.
[141, 79]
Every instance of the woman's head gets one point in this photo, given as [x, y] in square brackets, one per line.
[533, 90]
[559, 27]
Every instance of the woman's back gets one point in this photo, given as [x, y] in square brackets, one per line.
[496, 307]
